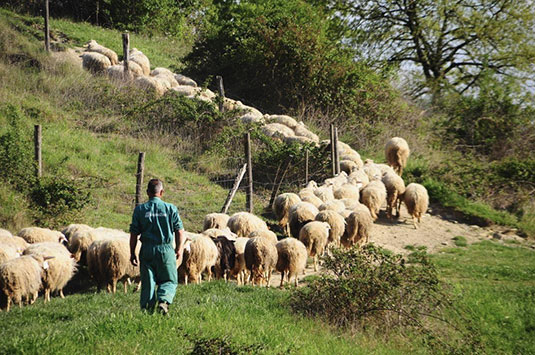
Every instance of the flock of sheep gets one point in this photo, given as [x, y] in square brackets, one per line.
[339, 213]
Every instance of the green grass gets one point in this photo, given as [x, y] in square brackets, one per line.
[460, 241]
[496, 285]
[244, 319]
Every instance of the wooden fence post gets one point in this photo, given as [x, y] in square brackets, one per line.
[336, 152]
[126, 55]
[249, 199]
[221, 91]
[333, 158]
[306, 166]
[139, 176]
[279, 178]
[37, 139]
[47, 27]
[232, 192]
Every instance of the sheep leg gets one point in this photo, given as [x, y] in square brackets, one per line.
[282, 279]
[114, 286]
[31, 300]
[296, 280]
[125, 283]
[268, 278]
[61, 293]
[8, 306]
[46, 295]
[414, 222]
[186, 279]
[316, 262]
[138, 286]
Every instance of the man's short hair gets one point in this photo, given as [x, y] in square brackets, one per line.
[155, 186]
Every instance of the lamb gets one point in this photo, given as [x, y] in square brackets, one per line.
[150, 84]
[397, 152]
[251, 115]
[337, 181]
[347, 190]
[336, 223]
[21, 277]
[140, 59]
[184, 80]
[61, 267]
[358, 227]
[95, 62]
[417, 200]
[315, 236]
[114, 255]
[283, 120]
[226, 259]
[80, 240]
[266, 234]
[215, 220]
[74, 228]
[260, 259]
[281, 208]
[239, 269]
[302, 131]
[395, 187]
[37, 235]
[243, 223]
[385, 169]
[300, 215]
[93, 46]
[8, 252]
[373, 196]
[313, 200]
[200, 255]
[291, 259]
[351, 155]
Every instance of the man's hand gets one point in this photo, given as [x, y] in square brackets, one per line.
[178, 255]
[133, 260]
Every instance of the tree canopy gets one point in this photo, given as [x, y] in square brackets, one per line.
[452, 42]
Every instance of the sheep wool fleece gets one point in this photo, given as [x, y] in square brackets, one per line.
[156, 221]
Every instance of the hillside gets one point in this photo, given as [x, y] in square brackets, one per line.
[93, 131]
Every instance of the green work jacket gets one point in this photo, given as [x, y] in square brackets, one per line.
[156, 221]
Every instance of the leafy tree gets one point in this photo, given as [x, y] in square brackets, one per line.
[452, 42]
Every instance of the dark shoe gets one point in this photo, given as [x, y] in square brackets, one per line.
[163, 308]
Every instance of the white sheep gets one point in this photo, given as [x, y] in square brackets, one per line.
[184, 90]
[373, 196]
[417, 200]
[358, 227]
[283, 120]
[372, 170]
[8, 252]
[243, 223]
[300, 215]
[315, 236]
[114, 258]
[336, 223]
[21, 277]
[260, 258]
[5, 233]
[200, 255]
[116, 72]
[140, 59]
[74, 228]
[277, 130]
[291, 259]
[95, 62]
[14, 241]
[215, 220]
[184, 80]
[312, 199]
[359, 177]
[397, 153]
[337, 181]
[165, 75]
[150, 84]
[302, 131]
[348, 166]
[37, 235]
[267, 234]
[61, 267]
[298, 140]
[347, 190]
[216, 232]
[325, 193]
[281, 208]
[333, 205]
[395, 187]
[93, 46]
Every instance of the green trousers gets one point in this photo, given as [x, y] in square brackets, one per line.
[157, 264]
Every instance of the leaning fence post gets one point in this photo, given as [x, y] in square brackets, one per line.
[336, 152]
[47, 27]
[232, 192]
[126, 55]
[333, 158]
[221, 91]
[249, 200]
[37, 139]
[139, 176]
[279, 178]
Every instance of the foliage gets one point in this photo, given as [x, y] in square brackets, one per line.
[370, 287]
[451, 42]
[460, 241]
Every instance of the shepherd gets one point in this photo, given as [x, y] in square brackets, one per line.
[157, 223]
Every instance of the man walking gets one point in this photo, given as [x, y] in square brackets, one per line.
[158, 223]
